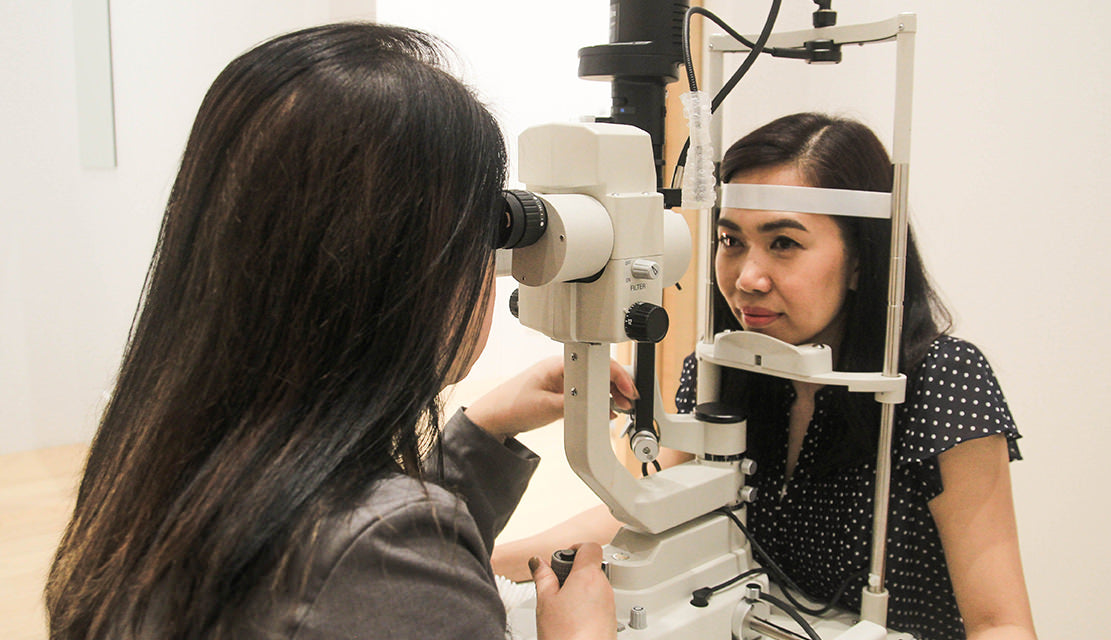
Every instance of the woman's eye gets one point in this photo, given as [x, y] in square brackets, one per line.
[727, 241]
[782, 243]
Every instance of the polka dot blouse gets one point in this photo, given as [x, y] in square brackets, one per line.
[817, 526]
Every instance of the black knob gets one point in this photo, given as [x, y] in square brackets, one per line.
[515, 303]
[562, 561]
[524, 219]
[825, 18]
[719, 413]
[646, 322]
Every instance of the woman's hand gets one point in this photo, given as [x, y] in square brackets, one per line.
[510, 559]
[534, 398]
[583, 607]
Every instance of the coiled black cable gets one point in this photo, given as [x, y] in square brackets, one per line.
[755, 49]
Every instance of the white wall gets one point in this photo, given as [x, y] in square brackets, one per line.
[1011, 130]
[74, 243]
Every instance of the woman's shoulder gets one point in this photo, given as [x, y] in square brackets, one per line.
[957, 350]
[395, 510]
[954, 370]
[398, 499]
[953, 396]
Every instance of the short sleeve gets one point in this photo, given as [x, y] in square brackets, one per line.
[952, 398]
[686, 396]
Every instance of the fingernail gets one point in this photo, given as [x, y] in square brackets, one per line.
[533, 564]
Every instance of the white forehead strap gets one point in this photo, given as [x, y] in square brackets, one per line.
[833, 202]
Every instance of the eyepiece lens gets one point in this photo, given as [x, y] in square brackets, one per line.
[525, 219]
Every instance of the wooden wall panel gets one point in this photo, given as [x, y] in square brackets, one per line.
[680, 303]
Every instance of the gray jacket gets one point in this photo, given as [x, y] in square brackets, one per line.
[413, 561]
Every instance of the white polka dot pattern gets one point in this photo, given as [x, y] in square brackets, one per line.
[817, 527]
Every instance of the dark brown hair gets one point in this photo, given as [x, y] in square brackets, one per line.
[325, 245]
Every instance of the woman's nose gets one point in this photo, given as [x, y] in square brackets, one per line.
[753, 278]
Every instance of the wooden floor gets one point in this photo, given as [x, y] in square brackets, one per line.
[37, 490]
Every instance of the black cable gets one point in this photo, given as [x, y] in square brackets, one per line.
[787, 633]
[757, 48]
[754, 52]
[789, 610]
[688, 60]
[737, 578]
[774, 571]
[716, 20]
[776, 52]
[780, 576]
[838, 593]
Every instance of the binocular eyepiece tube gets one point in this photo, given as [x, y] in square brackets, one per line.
[524, 219]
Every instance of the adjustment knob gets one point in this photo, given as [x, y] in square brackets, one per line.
[525, 219]
[646, 322]
[638, 618]
[515, 303]
[561, 563]
[747, 494]
[645, 446]
[645, 269]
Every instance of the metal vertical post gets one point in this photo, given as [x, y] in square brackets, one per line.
[874, 598]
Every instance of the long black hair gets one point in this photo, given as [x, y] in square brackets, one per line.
[839, 153]
[326, 245]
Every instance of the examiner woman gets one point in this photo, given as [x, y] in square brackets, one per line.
[272, 462]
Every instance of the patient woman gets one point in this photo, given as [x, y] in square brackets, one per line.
[272, 463]
[953, 565]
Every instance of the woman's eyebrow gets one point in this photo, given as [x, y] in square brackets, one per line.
[767, 227]
[782, 223]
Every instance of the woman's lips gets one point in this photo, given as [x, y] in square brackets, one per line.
[757, 317]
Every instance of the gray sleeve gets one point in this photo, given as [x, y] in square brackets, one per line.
[489, 476]
[417, 570]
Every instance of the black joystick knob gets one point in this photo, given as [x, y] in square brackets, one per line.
[525, 219]
[561, 563]
[646, 322]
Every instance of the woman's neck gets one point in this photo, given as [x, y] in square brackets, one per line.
[802, 411]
